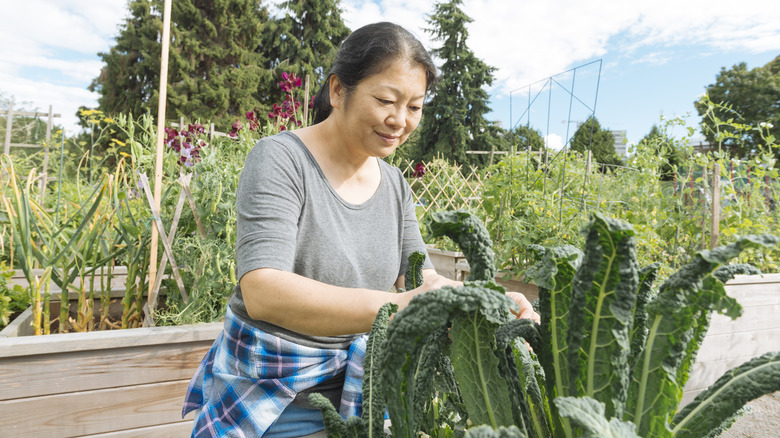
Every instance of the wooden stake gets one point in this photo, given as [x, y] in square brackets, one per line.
[166, 36]
[45, 173]
[8, 125]
[715, 225]
[306, 102]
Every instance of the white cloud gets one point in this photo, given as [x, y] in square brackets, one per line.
[526, 41]
[553, 141]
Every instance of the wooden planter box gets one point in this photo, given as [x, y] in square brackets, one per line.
[117, 383]
[730, 343]
[453, 265]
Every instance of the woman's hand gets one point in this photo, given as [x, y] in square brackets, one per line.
[526, 309]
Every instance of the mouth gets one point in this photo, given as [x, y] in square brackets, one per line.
[388, 137]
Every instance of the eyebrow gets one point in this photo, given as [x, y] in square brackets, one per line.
[397, 91]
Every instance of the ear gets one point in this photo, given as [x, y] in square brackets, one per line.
[337, 92]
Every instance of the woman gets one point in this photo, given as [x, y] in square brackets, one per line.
[324, 230]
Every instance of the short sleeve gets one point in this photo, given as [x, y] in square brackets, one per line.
[268, 204]
[412, 239]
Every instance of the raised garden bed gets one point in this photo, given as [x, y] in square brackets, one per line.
[116, 383]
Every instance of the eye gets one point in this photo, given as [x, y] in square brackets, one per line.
[414, 108]
[384, 101]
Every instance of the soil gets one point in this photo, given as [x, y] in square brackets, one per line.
[762, 421]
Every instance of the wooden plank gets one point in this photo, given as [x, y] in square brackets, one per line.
[752, 319]
[746, 344]
[705, 373]
[512, 284]
[755, 294]
[100, 340]
[20, 326]
[92, 412]
[753, 279]
[33, 376]
[30, 114]
[181, 429]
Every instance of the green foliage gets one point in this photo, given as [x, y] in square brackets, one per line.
[596, 307]
[471, 236]
[13, 299]
[746, 97]
[454, 118]
[215, 71]
[589, 136]
[303, 40]
[413, 278]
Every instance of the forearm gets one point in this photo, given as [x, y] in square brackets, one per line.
[310, 307]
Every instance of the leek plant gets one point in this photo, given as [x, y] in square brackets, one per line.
[78, 247]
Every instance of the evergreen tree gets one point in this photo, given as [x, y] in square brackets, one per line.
[304, 41]
[454, 119]
[660, 145]
[601, 143]
[129, 80]
[215, 69]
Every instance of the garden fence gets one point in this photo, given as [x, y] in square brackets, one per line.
[26, 132]
[439, 185]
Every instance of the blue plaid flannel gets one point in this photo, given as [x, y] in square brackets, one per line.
[248, 377]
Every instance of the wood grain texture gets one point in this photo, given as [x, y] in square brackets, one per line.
[92, 412]
[181, 429]
[32, 376]
[100, 340]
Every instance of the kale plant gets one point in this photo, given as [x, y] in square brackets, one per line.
[610, 358]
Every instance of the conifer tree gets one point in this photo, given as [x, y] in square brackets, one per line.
[454, 118]
[601, 142]
[216, 71]
[304, 40]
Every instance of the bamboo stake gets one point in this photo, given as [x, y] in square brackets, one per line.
[715, 225]
[45, 173]
[166, 36]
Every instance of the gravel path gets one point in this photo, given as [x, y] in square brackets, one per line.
[763, 420]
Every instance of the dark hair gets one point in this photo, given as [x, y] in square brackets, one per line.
[367, 51]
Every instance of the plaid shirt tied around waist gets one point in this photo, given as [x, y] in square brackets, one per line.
[248, 378]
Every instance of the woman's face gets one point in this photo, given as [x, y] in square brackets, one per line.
[384, 108]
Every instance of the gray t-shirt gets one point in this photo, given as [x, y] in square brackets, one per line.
[290, 218]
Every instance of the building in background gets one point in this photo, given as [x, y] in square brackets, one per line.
[621, 143]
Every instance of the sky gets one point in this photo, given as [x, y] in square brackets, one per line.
[628, 62]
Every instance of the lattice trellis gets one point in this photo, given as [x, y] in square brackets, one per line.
[445, 187]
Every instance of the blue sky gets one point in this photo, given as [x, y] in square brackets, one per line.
[655, 57]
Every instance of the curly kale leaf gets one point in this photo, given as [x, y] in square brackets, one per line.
[554, 275]
[410, 329]
[335, 426]
[678, 320]
[725, 397]
[414, 276]
[601, 314]
[373, 397]
[470, 234]
[588, 414]
[644, 295]
[489, 432]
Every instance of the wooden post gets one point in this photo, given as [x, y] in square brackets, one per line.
[158, 170]
[45, 173]
[588, 163]
[306, 102]
[8, 124]
[715, 226]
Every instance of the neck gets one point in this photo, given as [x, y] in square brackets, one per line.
[337, 151]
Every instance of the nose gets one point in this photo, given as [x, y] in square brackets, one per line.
[397, 118]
